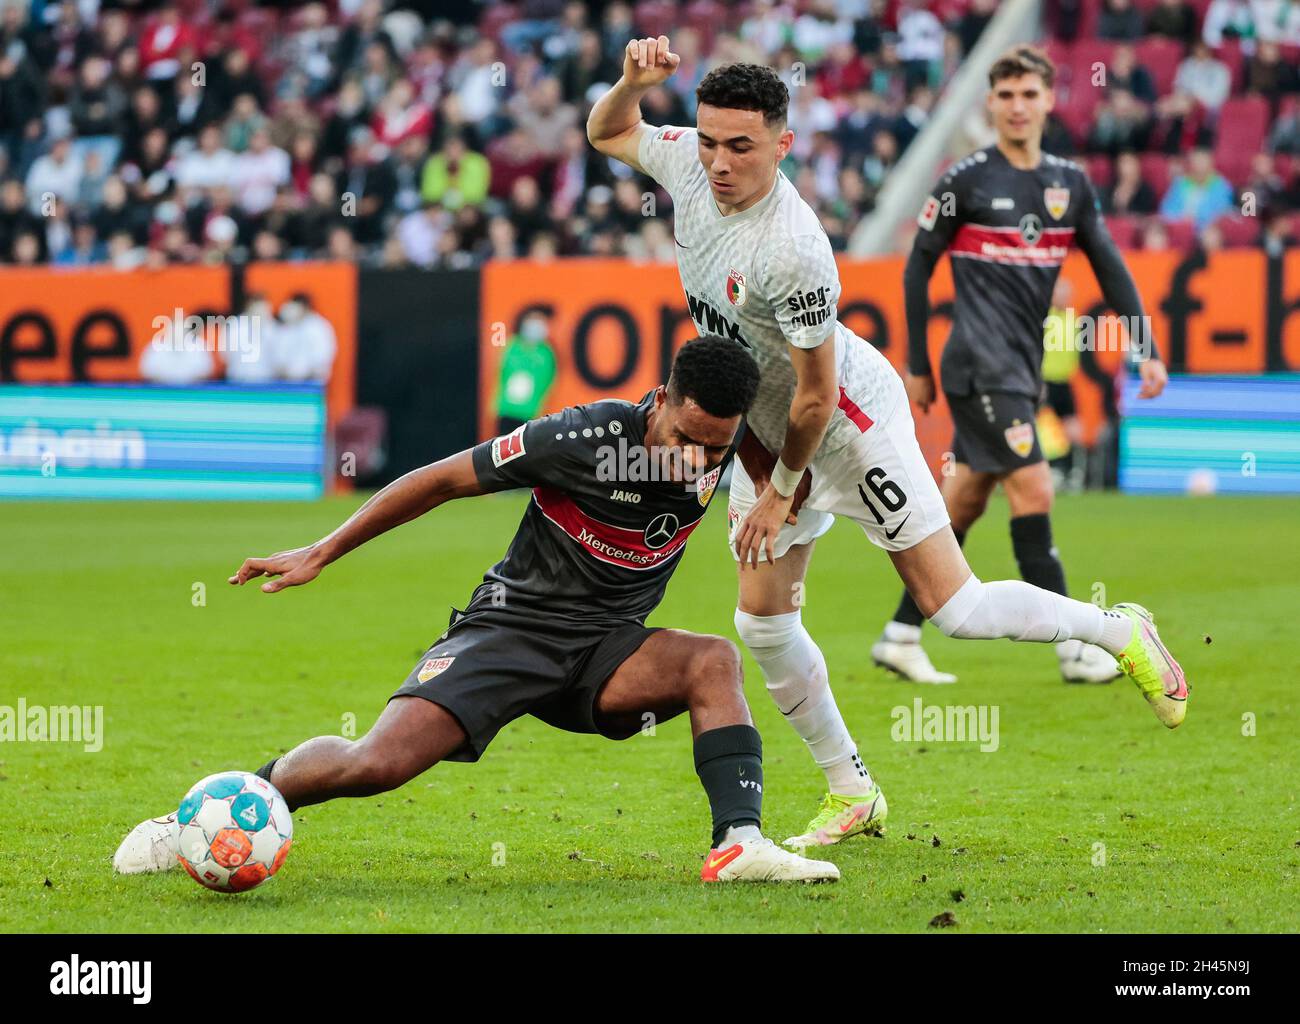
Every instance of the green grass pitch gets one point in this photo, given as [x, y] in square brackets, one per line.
[1199, 829]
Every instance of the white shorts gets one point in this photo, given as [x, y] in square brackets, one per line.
[880, 481]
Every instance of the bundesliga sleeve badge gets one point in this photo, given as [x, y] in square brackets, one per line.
[508, 448]
[929, 215]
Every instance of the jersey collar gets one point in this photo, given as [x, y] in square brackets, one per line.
[753, 211]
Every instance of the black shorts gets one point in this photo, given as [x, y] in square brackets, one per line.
[490, 668]
[995, 431]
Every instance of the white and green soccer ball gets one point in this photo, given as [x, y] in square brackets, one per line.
[235, 831]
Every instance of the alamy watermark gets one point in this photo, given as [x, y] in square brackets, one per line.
[57, 723]
[950, 723]
[228, 334]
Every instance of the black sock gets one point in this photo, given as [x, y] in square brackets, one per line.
[729, 762]
[265, 771]
[1031, 540]
[908, 613]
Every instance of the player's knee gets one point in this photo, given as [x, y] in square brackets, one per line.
[772, 634]
[714, 665]
[955, 614]
[371, 770]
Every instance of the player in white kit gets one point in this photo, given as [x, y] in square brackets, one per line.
[831, 433]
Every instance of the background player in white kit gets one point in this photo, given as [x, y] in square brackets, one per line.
[757, 267]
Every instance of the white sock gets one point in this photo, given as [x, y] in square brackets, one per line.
[795, 673]
[741, 834]
[1020, 611]
[902, 633]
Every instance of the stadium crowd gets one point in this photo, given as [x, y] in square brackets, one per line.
[450, 132]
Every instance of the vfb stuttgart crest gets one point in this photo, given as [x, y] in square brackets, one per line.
[1057, 201]
[433, 667]
[705, 485]
[736, 288]
[1020, 438]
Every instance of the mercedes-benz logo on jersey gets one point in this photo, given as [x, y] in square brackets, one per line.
[1031, 228]
[661, 530]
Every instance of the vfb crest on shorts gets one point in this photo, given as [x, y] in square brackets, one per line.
[433, 667]
[735, 287]
[1057, 201]
[1020, 438]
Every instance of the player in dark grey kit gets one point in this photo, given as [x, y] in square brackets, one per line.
[557, 628]
[1007, 216]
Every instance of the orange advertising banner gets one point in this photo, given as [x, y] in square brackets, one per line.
[616, 324]
[91, 325]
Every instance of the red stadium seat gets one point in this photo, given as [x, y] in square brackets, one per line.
[1101, 170]
[1286, 166]
[1156, 172]
[1182, 233]
[1125, 230]
[655, 17]
[1160, 56]
[1243, 128]
[1239, 232]
[1085, 56]
[708, 18]
[1091, 9]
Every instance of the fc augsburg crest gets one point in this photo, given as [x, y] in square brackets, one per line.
[1057, 201]
[736, 288]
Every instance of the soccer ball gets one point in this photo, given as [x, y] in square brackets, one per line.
[235, 831]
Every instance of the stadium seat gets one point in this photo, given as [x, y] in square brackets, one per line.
[1156, 172]
[1160, 56]
[1085, 55]
[1125, 230]
[1101, 170]
[651, 16]
[1182, 233]
[1243, 127]
[1239, 231]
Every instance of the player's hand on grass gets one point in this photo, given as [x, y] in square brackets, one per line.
[294, 568]
[760, 526]
[649, 62]
[1154, 378]
[920, 390]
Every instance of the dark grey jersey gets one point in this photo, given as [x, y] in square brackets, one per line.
[1007, 232]
[604, 530]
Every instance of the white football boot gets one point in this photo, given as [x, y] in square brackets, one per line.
[899, 650]
[150, 846]
[751, 857]
[1086, 663]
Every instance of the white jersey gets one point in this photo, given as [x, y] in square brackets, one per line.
[766, 278]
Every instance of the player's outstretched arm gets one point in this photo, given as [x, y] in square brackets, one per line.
[614, 126]
[406, 498]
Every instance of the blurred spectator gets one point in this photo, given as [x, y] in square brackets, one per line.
[1125, 72]
[1173, 19]
[57, 173]
[1119, 123]
[973, 21]
[1204, 77]
[251, 356]
[1129, 194]
[527, 372]
[1119, 19]
[1200, 194]
[1285, 134]
[1269, 74]
[259, 172]
[176, 356]
[456, 176]
[1229, 19]
[305, 342]
[920, 42]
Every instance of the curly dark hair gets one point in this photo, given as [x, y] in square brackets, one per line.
[719, 374]
[746, 87]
